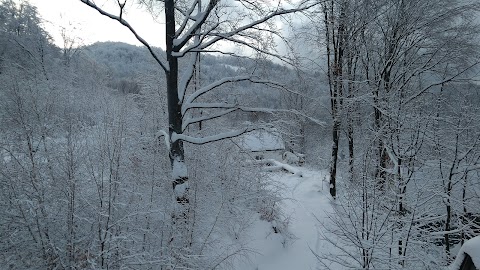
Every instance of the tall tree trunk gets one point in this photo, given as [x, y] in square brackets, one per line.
[180, 212]
[335, 41]
[448, 202]
[352, 58]
[177, 155]
[333, 165]
[351, 153]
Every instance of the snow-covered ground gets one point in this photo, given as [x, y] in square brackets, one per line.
[306, 200]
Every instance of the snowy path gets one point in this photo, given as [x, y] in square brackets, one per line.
[306, 199]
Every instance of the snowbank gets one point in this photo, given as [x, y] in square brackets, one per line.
[472, 248]
[261, 140]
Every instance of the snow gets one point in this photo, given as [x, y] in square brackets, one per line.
[291, 158]
[208, 139]
[273, 165]
[234, 68]
[181, 189]
[166, 137]
[5, 155]
[179, 169]
[261, 140]
[306, 201]
[472, 248]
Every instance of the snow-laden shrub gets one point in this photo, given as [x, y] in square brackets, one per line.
[228, 194]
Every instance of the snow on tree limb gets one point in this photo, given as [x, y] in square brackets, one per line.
[188, 16]
[209, 37]
[189, 106]
[273, 165]
[190, 121]
[250, 25]
[212, 86]
[166, 137]
[197, 48]
[209, 139]
[188, 103]
[200, 19]
[234, 107]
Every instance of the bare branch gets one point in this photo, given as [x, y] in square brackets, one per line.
[188, 122]
[453, 78]
[200, 19]
[188, 17]
[231, 34]
[127, 25]
[212, 86]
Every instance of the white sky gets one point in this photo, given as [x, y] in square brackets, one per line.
[89, 25]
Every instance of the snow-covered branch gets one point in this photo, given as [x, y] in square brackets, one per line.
[212, 86]
[211, 37]
[276, 13]
[273, 165]
[235, 107]
[190, 121]
[188, 17]
[199, 19]
[188, 104]
[209, 139]
[166, 138]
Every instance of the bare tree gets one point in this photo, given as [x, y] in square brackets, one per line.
[403, 55]
[193, 28]
[340, 31]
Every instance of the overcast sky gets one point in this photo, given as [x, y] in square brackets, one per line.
[86, 23]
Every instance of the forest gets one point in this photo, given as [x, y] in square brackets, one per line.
[121, 156]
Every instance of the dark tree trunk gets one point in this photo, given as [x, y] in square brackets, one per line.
[449, 215]
[333, 166]
[351, 153]
[177, 156]
[336, 42]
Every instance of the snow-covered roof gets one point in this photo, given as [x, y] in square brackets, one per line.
[261, 140]
[472, 248]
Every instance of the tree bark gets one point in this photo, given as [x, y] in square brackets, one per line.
[177, 155]
[333, 166]
[335, 41]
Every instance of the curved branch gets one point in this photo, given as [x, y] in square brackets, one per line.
[199, 21]
[245, 27]
[127, 25]
[190, 121]
[166, 137]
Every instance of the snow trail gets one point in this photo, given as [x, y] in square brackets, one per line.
[306, 199]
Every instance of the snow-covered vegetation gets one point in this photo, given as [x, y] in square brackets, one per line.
[359, 150]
